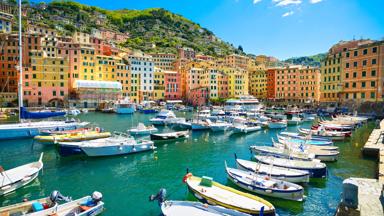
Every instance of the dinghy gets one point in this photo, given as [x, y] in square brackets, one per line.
[281, 152]
[173, 136]
[265, 185]
[141, 129]
[177, 208]
[18, 177]
[31, 207]
[208, 191]
[316, 169]
[75, 137]
[86, 206]
[112, 146]
[286, 174]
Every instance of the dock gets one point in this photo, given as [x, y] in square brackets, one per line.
[370, 192]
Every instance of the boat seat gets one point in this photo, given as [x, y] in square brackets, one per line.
[4, 214]
[84, 208]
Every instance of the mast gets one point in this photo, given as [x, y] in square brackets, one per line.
[20, 89]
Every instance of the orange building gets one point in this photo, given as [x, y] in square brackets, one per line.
[271, 83]
[235, 60]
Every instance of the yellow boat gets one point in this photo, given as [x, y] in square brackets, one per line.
[213, 193]
[73, 137]
[3, 116]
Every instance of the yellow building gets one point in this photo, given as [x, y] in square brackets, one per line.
[46, 80]
[258, 83]
[105, 68]
[237, 81]
[86, 69]
[158, 87]
[235, 60]
[123, 75]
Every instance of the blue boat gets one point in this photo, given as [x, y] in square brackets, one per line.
[69, 149]
[24, 114]
[124, 107]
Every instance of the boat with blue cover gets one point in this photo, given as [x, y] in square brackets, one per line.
[124, 106]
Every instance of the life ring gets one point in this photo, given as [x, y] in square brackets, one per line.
[97, 129]
[185, 178]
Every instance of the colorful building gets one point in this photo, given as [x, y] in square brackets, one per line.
[258, 83]
[237, 81]
[5, 22]
[164, 61]
[123, 75]
[172, 85]
[222, 81]
[235, 60]
[271, 83]
[159, 84]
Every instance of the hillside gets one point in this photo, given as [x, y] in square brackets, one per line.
[150, 30]
[313, 61]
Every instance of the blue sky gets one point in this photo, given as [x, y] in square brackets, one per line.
[280, 28]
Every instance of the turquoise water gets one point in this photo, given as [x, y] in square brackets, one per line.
[127, 181]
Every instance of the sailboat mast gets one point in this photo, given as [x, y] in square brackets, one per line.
[20, 89]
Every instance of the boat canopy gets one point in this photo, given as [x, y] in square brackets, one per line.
[174, 101]
[97, 84]
[24, 114]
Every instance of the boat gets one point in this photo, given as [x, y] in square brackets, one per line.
[34, 206]
[286, 174]
[277, 124]
[15, 178]
[85, 111]
[304, 140]
[73, 112]
[281, 152]
[32, 129]
[124, 106]
[335, 136]
[108, 110]
[115, 146]
[162, 116]
[141, 129]
[66, 149]
[3, 116]
[213, 193]
[295, 120]
[243, 103]
[200, 124]
[218, 125]
[177, 208]
[55, 132]
[72, 137]
[265, 185]
[86, 206]
[303, 137]
[183, 124]
[172, 136]
[320, 152]
[241, 126]
[315, 168]
[25, 114]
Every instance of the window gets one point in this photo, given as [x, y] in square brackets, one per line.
[373, 73]
[364, 74]
[347, 75]
[347, 65]
[346, 85]
[355, 53]
[347, 55]
[372, 95]
[54, 93]
[362, 95]
[354, 74]
[364, 62]
[373, 83]
[374, 50]
[365, 51]
[354, 85]
[362, 84]
[373, 61]
[354, 64]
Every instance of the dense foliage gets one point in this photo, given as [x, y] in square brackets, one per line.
[314, 61]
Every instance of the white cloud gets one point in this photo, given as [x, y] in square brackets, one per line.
[290, 13]
[256, 1]
[283, 3]
[315, 1]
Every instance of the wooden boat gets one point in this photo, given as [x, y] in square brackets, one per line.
[336, 136]
[75, 137]
[86, 206]
[322, 153]
[177, 208]
[286, 174]
[281, 152]
[18, 177]
[112, 146]
[265, 185]
[208, 191]
[173, 136]
[141, 129]
[308, 139]
[316, 169]
[34, 206]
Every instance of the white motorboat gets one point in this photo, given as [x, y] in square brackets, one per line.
[172, 136]
[265, 185]
[162, 117]
[15, 178]
[73, 112]
[277, 124]
[199, 124]
[295, 120]
[141, 129]
[218, 125]
[115, 146]
[125, 106]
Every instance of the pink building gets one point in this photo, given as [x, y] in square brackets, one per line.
[172, 81]
[222, 80]
[198, 97]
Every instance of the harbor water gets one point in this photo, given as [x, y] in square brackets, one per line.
[126, 182]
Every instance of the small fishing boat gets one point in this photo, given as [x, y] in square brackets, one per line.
[265, 185]
[315, 168]
[218, 125]
[177, 208]
[303, 137]
[277, 124]
[172, 136]
[199, 124]
[141, 129]
[15, 178]
[73, 137]
[281, 152]
[86, 206]
[335, 136]
[34, 206]
[208, 191]
[162, 117]
[322, 153]
[303, 140]
[112, 146]
[286, 174]
[244, 128]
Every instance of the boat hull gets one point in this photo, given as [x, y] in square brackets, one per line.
[128, 110]
[69, 150]
[273, 125]
[20, 184]
[116, 150]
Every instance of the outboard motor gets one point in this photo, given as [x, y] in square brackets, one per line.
[160, 197]
[57, 196]
[97, 197]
